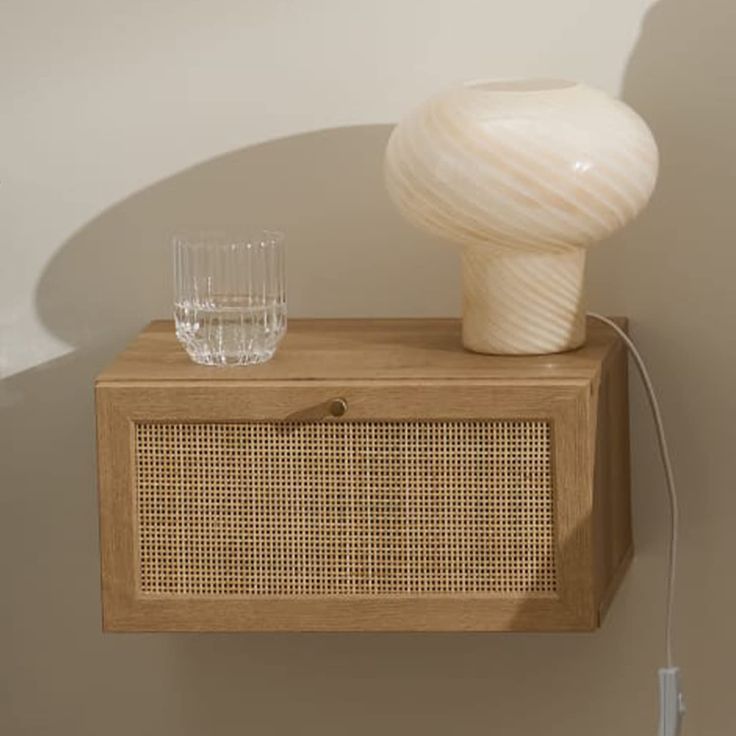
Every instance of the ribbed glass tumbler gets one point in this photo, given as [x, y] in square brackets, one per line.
[230, 296]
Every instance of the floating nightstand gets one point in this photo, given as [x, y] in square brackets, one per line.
[372, 476]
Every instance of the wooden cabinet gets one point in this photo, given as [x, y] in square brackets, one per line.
[372, 476]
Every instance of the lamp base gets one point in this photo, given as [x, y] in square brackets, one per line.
[522, 303]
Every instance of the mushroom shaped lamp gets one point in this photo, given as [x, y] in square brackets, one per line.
[524, 175]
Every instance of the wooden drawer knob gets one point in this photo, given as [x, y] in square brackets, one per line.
[338, 407]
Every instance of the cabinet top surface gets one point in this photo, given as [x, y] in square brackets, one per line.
[361, 349]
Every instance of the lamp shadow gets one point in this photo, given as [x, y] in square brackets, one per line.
[348, 252]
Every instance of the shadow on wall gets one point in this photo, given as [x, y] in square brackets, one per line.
[680, 79]
[672, 272]
[348, 251]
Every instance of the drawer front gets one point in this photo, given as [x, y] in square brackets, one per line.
[226, 502]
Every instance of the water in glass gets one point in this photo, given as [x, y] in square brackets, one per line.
[230, 302]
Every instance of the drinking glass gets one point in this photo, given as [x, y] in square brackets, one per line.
[230, 296]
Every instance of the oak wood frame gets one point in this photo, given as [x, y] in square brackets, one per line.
[584, 396]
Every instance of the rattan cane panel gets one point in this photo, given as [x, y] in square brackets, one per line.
[345, 508]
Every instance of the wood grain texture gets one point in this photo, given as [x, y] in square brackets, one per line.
[153, 383]
[355, 349]
[612, 479]
[115, 467]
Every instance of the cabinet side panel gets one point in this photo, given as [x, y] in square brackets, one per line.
[576, 535]
[612, 505]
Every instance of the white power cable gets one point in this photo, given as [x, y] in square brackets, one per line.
[671, 703]
[665, 454]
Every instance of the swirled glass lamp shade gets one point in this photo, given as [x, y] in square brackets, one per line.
[525, 175]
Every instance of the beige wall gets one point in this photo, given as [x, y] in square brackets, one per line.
[121, 119]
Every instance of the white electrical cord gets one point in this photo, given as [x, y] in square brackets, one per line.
[665, 454]
[671, 704]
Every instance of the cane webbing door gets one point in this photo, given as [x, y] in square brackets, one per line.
[345, 508]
